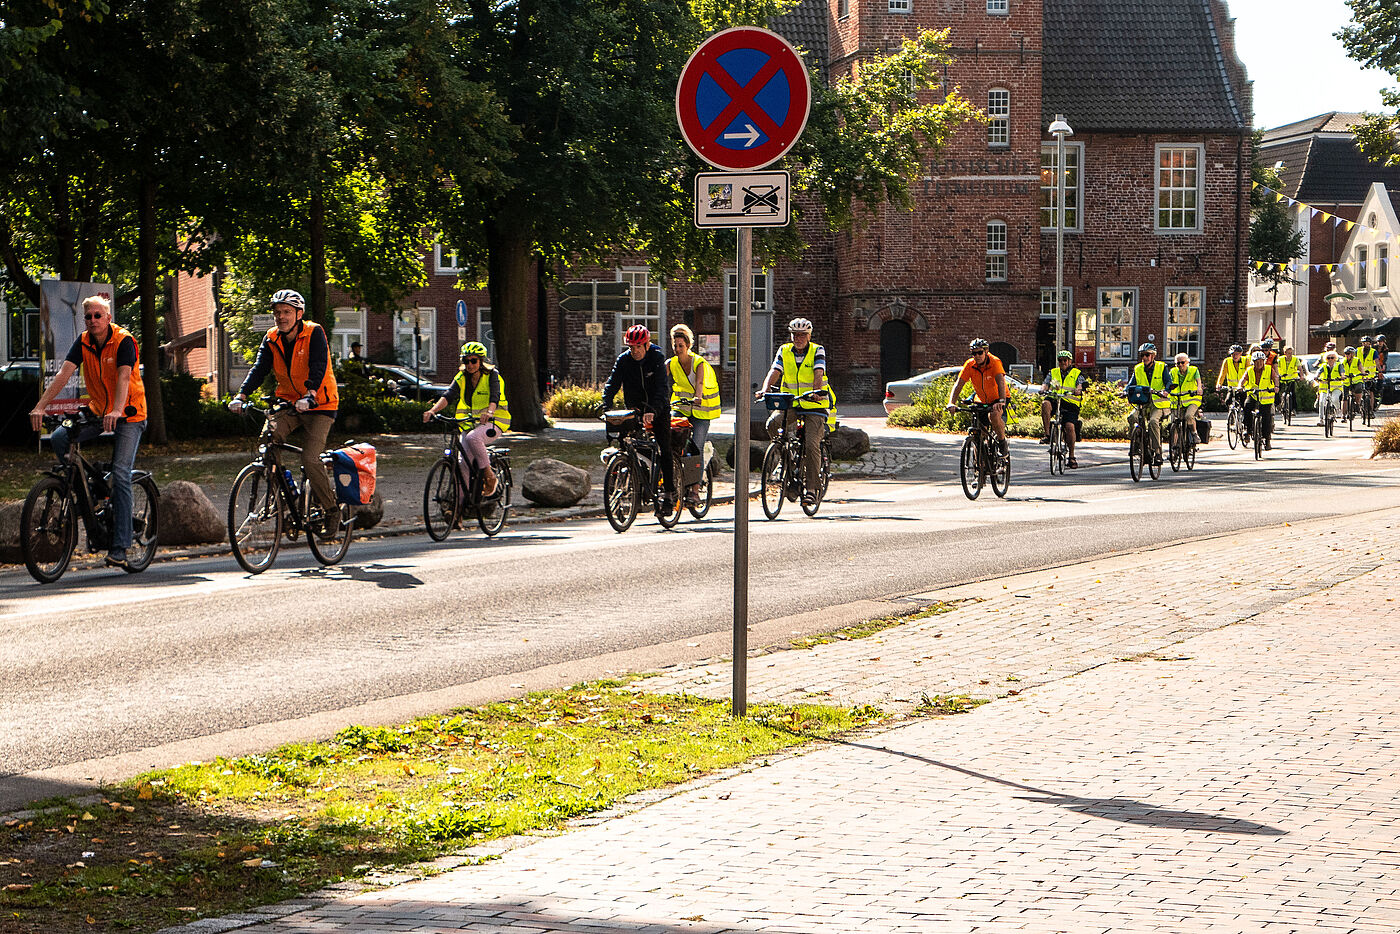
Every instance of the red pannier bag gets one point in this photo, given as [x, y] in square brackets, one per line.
[354, 468]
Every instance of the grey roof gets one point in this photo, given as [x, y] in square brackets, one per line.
[1332, 122]
[1140, 65]
[1324, 168]
[805, 27]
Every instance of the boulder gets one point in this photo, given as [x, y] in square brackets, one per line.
[548, 482]
[370, 514]
[756, 449]
[187, 517]
[9, 532]
[848, 444]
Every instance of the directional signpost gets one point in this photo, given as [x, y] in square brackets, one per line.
[594, 296]
[741, 103]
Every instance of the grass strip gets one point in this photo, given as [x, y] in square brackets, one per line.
[872, 626]
[208, 839]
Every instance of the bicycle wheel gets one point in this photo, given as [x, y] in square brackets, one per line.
[707, 493]
[330, 548]
[1349, 412]
[1135, 447]
[1154, 462]
[254, 519]
[1174, 444]
[1232, 427]
[1327, 422]
[1288, 409]
[145, 525]
[971, 476]
[1366, 408]
[1256, 428]
[1000, 472]
[48, 529]
[492, 510]
[823, 478]
[1057, 450]
[773, 480]
[621, 492]
[1190, 454]
[442, 499]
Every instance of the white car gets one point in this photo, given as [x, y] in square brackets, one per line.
[898, 392]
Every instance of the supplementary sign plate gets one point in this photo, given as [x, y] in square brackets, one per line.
[742, 199]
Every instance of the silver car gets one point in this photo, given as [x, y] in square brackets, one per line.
[898, 392]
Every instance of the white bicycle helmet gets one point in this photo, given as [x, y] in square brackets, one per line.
[800, 324]
[289, 297]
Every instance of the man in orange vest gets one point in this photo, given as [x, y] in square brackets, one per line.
[298, 356]
[107, 354]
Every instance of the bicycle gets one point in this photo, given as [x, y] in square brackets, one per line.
[1181, 445]
[1059, 443]
[1349, 406]
[1329, 412]
[1368, 401]
[453, 487]
[982, 457]
[632, 472]
[1138, 442]
[267, 503]
[1256, 424]
[686, 466]
[81, 489]
[1234, 419]
[1284, 404]
[783, 476]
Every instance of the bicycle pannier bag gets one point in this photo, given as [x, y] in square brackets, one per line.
[692, 467]
[1139, 395]
[354, 468]
[1203, 429]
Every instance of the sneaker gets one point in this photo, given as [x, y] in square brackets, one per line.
[117, 559]
[1044, 439]
[1268, 446]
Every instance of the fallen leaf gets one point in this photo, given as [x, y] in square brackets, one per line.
[255, 861]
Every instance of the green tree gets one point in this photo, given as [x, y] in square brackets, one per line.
[1373, 39]
[1272, 237]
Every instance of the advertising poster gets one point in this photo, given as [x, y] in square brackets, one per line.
[60, 322]
[709, 347]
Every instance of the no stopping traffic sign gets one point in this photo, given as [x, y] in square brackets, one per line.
[743, 98]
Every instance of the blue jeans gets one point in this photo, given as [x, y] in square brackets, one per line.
[128, 437]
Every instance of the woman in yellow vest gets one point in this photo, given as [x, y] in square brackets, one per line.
[1066, 381]
[477, 391]
[1152, 376]
[695, 389]
[1186, 394]
[1231, 371]
[107, 355]
[1331, 379]
[1258, 384]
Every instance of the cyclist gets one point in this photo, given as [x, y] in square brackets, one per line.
[1186, 391]
[984, 371]
[106, 352]
[693, 380]
[1382, 351]
[1286, 372]
[640, 372]
[1271, 356]
[801, 367]
[296, 353]
[1259, 378]
[478, 392]
[1366, 359]
[1152, 375]
[1231, 371]
[1331, 379]
[1355, 378]
[1064, 378]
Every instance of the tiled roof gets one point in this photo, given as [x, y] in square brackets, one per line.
[1333, 122]
[1326, 169]
[1139, 65]
[805, 27]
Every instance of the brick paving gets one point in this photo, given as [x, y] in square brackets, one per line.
[1203, 739]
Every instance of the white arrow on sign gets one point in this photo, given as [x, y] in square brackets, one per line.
[752, 135]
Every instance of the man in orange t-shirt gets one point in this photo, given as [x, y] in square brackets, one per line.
[988, 379]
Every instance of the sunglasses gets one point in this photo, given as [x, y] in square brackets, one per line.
[96, 317]
[978, 353]
[471, 359]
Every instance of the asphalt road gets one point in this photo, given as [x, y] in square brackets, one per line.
[105, 665]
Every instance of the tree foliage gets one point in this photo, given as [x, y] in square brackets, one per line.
[1373, 39]
[1273, 237]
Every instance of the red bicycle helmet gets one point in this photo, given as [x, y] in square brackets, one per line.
[638, 334]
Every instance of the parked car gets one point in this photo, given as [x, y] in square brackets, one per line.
[1390, 379]
[20, 371]
[403, 383]
[898, 392]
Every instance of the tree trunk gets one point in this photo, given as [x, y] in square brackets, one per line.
[150, 336]
[316, 307]
[510, 268]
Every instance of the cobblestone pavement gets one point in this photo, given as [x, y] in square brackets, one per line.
[1201, 738]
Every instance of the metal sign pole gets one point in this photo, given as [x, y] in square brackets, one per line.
[742, 406]
[594, 338]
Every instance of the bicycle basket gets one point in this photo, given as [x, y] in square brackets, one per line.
[1139, 395]
[778, 401]
[620, 421]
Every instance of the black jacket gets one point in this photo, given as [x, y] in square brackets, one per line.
[645, 383]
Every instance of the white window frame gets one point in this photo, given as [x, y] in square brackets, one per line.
[998, 7]
[1047, 301]
[1074, 187]
[1362, 254]
[648, 304]
[999, 112]
[1382, 267]
[901, 6]
[996, 267]
[1195, 346]
[446, 262]
[843, 9]
[427, 333]
[1192, 198]
[353, 327]
[1132, 306]
[762, 299]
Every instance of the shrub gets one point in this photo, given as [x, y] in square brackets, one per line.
[1386, 440]
[1103, 401]
[1103, 411]
[573, 400]
[180, 396]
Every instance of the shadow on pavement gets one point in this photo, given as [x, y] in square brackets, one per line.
[1125, 810]
[381, 575]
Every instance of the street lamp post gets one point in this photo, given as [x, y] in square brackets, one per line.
[1060, 129]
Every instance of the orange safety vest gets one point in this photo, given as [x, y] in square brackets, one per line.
[293, 374]
[100, 376]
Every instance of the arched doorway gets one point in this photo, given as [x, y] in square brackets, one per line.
[1004, 352]
[896, 341]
